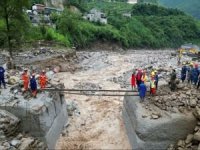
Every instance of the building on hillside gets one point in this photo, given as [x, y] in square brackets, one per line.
[38, 8]
[96, 16]
[132, 1]
[128, 15]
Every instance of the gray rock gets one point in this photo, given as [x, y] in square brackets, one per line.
[15, 143]
[197, 136]
[181, 143]
[189, 138]
[193, 103]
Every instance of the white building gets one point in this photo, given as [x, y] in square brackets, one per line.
[132, 1]
[96, 16]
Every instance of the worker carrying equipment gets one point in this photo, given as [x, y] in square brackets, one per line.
[25, 79]
[43, 80]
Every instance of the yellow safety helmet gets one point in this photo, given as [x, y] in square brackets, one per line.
[153, 73]
[191, 63]
[184, 63]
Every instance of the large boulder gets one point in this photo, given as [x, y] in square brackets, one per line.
[148, 133]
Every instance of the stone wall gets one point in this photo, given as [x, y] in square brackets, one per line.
[147, 133]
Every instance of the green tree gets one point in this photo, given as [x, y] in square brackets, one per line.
[11, 12]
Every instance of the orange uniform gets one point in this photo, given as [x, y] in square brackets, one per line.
[25, 79]
[43, 80]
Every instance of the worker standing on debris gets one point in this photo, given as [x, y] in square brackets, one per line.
[133, 80]
[189, 73]
[144, 77]
[173, 80]
[2, 77]
[183, 72]
[142, 91]
[33, 85]
[156, 79]
[25, 79]
[152, 84]
[138, 77]
[195, 74]
[43, 80]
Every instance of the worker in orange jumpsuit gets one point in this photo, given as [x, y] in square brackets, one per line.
[43, 80]
[25, 79]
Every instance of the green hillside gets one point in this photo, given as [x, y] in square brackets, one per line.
[192, 7]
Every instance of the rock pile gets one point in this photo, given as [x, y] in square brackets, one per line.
[192, 141]
[185, 99]
[11, 139]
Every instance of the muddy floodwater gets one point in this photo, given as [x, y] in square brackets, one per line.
[97, 122]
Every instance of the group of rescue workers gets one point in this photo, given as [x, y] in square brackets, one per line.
[139, 79]
[28, 81]
[189, 72]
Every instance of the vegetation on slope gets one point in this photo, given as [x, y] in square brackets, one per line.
[191, 7]
[150, 26]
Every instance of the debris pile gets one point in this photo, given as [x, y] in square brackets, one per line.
[10, 138]
[185, 99]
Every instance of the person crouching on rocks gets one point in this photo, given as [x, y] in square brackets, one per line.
[173, 80]
[142, 91]
[33, 85]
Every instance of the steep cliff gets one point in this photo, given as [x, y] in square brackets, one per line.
[55, 3]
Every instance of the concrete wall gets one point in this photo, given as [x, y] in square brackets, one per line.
[145, 133]
[46, 124]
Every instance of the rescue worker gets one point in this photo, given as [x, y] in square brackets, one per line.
[156, 79]
[138, 77]
[2, 77]
[183, 72]
[144, 77]
[142, 91]
[195, 74]
[152, 85]
[189, 73]
[25, 79]
[173, 80]
[43, 80]
[33, 85]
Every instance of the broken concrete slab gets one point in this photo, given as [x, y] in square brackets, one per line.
[43, 117]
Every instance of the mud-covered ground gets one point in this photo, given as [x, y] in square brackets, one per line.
[96, 122]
